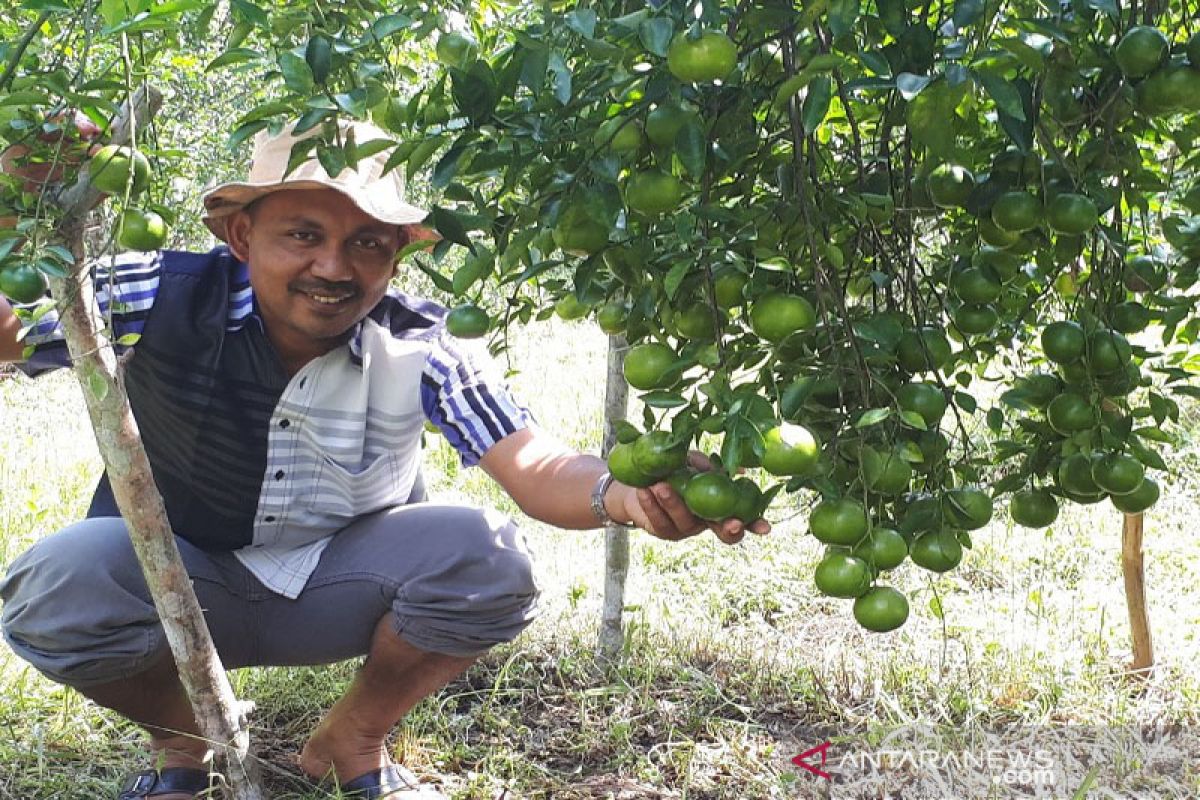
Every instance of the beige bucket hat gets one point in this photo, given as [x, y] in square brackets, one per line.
[381, 196]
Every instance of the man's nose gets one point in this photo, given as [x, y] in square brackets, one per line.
[330, 263]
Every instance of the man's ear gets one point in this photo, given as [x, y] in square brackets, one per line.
[237, 231]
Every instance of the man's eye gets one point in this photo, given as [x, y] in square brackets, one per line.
[303, 236]
[370, 244]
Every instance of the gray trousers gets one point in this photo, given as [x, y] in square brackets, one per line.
[457, 580]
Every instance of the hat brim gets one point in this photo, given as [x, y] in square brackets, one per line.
[229, 198]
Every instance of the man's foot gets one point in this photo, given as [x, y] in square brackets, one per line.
[337, 747]
[170, 783]
[393, 782]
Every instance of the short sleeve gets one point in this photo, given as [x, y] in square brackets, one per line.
[462, 393]
[125, 289]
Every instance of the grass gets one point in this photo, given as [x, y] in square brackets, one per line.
[732, 664]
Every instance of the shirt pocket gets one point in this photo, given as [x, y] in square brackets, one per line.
[345, 493]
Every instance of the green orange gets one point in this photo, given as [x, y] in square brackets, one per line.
[709, 57]
[842, 575]
[1063, 341]
[653, 192]
[711, 495]
[1016, 212]
[1140, 499]
[883, 549]
[1072, 214]
[647, 365]
[950, 185]
[1033, 508]
[790, 450]
[776, 315]
[468, 321]
[842, 521]
[1070, 413]
[1140, 51]
[881, 609]
[22, 283]
[114, 167]
[923, 350]
[967, 507]
[936, 551]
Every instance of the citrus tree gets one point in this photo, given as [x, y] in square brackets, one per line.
[908, 258]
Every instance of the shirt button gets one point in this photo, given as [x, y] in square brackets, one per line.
[269, 518]
[285, 423]
[279, 475]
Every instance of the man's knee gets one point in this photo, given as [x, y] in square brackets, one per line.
[479, 592]
[76, 606]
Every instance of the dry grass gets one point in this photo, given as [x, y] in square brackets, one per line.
[732, 664]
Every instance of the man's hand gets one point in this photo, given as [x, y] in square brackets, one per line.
[65, 149]
[660, 511]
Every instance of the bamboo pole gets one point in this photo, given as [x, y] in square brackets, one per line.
[220, 716]
[1133, 569]
[616, 537]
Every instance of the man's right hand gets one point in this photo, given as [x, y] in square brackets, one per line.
[10, 326]
[76, 137]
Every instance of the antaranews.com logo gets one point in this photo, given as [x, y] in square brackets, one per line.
[936, 763]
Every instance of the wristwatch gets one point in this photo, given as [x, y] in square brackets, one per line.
[602, 483]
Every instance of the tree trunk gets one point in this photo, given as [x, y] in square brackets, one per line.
[1132, 565]
[220, 717]
[616, 537]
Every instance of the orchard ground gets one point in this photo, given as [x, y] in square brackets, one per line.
[734, 664]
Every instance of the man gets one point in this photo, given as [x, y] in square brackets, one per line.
[281, 389]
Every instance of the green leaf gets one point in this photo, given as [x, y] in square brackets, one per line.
[1109, 7]
[251, 13]
[113, 11]
[914, 420]
[816, 104]
[1020, 130]
[842, 16]
[931, 116]
[244, 132]
[561, 77]
[319, 56]
[1145, 454]
[894, 16]
[1005, 94]
[447, 168]
[311, 118]
[97, 385]
[691, 146]
[238, 55]
[439, 280]
[25, 98]
[995, 420]
[51, 267]
[655, 35]
[910, 85]
[967, 12]
[873, 416]
[297, 75]
[388, 24]
[449, 224]
[663, 399]
[475, 91]
[966, 402]
[533, 69]
[583, 22]
[129, 339]
[1030, 57]
[332, 159]
[675, 277]
[422, 153]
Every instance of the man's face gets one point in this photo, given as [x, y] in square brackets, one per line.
[318, 265]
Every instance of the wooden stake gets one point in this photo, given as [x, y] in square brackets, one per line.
[220, 716]
[616, 537]
[1132, 566]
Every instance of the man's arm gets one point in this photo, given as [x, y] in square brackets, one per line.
[10, 326]
[552, 483]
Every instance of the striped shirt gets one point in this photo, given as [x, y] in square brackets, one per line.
[268, 465]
